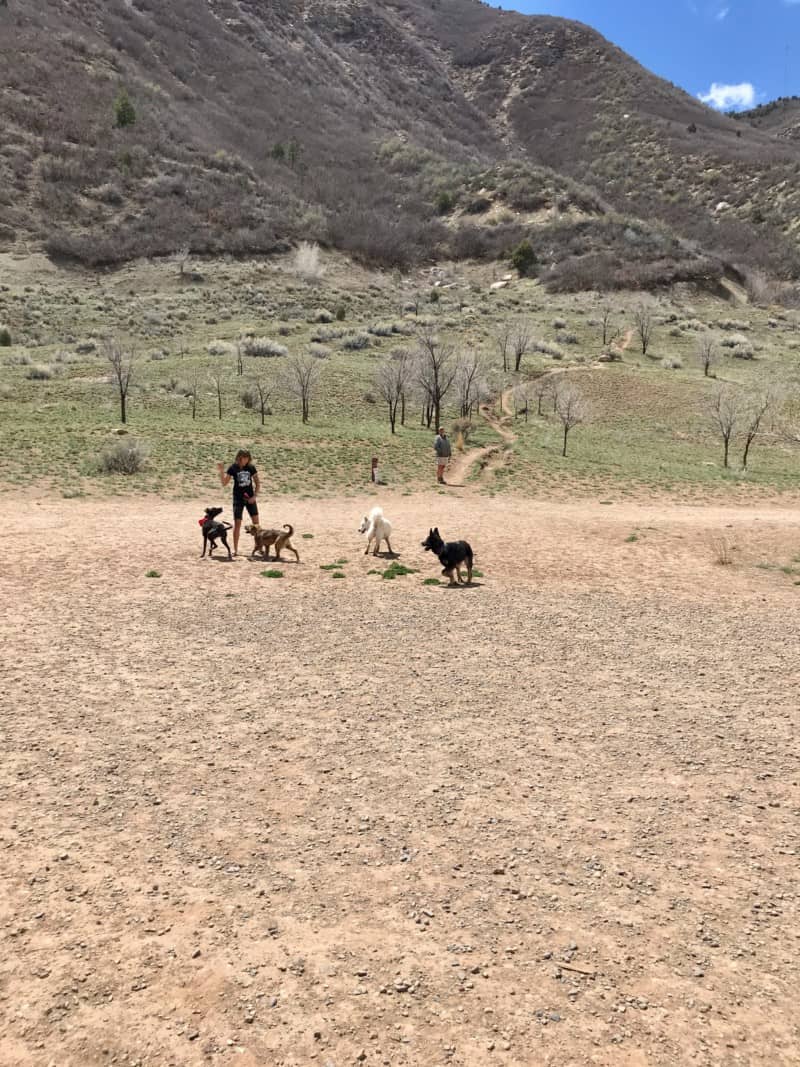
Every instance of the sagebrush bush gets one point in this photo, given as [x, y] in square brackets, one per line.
[263, 347]
[250, 400]
[353, 342]
[5, 337]
[40, 372]
[567, 338]
[327, 333]
[124, 457]
[321, 315]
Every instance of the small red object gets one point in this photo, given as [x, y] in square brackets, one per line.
[201, 521]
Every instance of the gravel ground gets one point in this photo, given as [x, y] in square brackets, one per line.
[551, 818]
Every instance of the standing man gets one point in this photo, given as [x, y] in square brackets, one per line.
[246, 485]
[441, 446]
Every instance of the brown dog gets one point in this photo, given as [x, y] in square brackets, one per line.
[264, 539]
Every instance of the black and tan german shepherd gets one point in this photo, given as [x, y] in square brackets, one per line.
[451, 555]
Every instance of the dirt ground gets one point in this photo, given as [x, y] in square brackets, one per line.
[548, 819]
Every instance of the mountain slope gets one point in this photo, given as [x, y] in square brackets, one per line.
[263, 121]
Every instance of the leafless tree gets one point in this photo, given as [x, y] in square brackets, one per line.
[707, 352]
[645, 324]
[521, 344]
[122, 369]
[502, 342]
[436, 372]
[521, 397]
[218, 380]
[239, 349]
[470, 383]
[726, 413]
[571, 408]
[609, 333]
[755, 415]
[264, 388]
[543, 389]
[392, 381]
[181, 258]
[193, 391]
[301, 378]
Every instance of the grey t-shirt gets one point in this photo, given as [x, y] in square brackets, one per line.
[441, 446]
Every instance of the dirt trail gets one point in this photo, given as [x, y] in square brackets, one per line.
[316, 820]
[461, 465]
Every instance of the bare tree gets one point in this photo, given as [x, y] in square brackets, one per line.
[218, 379]
[645, 324]
[707, 353]
[392, 381]
[502, 342]
[470, 383]
[436, 372]
[193, 391]
[609, 333]
[264, 389]
[181, 258]
[726, 416]
[122, 368]
[239, 348]
[521, 344]
[755, 414]
[543, 389]
[571, 408]
[521, 396]
[301, 378]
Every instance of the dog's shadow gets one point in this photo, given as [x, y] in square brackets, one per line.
[271, 559]
[461, 586]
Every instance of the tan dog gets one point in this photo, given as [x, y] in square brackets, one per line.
[264, 539]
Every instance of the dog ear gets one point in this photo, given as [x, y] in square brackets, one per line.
[436, 530]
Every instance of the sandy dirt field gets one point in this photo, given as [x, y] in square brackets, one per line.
[549, 819]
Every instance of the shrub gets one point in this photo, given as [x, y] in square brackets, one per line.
[341, 312]
[307, 263]
[124, 457]
[263, 347]
[353, 342]
[478, 205]
[381, 329]
[434, 295]
[250, 399]
[319, 351]
[324, 334]
[321, 315]
[40, 373]
[523, 259]
[671, 363]
[559, 324]
[567, 338]
[124, 111]
[445, 202]
[5, 337]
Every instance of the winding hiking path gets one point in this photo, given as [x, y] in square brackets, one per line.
[462, 465]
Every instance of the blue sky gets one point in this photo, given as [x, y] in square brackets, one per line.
[731, 52]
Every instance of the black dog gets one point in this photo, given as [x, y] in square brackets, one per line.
[214, 531]
[451, 554]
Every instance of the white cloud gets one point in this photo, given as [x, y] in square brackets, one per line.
[722, 14]
[730, 97]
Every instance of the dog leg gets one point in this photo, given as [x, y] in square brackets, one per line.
[388, 545]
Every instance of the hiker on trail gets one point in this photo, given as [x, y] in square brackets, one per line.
[441, 446]
[245, 487]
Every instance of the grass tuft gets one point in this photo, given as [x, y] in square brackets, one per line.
[272, 574]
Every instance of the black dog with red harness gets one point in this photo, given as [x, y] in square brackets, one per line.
[214, 531]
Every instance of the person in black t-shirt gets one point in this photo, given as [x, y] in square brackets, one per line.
[246, 485]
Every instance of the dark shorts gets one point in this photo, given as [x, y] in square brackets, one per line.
[239, 505]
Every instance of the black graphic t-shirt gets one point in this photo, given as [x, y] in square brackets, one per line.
[242, 480]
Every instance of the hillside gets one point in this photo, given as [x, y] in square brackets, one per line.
[398, 131]
[779, 117]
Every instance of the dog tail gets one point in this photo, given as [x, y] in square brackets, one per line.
[227, 526]
[288, 526]
[376, 513]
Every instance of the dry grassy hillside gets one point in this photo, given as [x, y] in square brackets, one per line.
[259, 123]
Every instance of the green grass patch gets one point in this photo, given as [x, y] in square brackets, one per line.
[274, 573]
[152, 574]
[476, 573]
[338, 574]
[397, 570]
[307, 537]
[431, 581]
[629, 540]
[332, 566]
